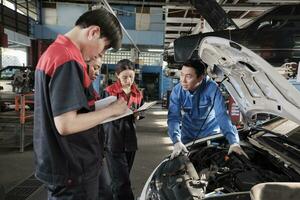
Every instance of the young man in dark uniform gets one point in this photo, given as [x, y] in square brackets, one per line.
[67, 145]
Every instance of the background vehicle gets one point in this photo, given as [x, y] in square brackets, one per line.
[15, 79]
[274, 36]
[18, 79]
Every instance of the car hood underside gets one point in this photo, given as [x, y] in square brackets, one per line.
[253, 83]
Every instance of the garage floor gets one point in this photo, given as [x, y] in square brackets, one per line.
[154, 145]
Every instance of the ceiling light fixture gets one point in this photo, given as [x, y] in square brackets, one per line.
[156, 50]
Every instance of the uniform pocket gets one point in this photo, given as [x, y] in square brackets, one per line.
[203, 111]
[186, 110]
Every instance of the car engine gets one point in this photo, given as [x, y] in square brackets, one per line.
[209, 173]
[235, 173]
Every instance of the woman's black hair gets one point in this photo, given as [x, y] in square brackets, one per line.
[199, 66]
[124, 64]
[108, 23]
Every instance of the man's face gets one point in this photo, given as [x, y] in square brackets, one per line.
[189, 79]
[94, 46]
[94, 68]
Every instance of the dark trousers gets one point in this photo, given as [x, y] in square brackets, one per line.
[118, 170]
[105, 192]
[84, 191]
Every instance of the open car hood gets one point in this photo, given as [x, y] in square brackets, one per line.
[253, 83]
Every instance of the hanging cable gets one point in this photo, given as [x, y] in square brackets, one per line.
[108, 7]
[142, 10]
[194, 140]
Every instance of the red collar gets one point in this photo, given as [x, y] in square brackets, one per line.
[64, 40]
[67, 42]
[117, 88]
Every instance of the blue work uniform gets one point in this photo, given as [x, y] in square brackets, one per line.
[189, 109]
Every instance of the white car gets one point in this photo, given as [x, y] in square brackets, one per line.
[273, 147]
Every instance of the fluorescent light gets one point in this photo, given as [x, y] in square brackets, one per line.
[156, 50]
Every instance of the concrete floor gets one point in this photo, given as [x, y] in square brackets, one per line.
[154, 145]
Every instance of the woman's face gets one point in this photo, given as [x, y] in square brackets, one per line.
[126, 78]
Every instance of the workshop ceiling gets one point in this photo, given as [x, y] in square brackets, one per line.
[182, 19]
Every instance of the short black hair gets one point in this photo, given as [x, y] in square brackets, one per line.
[124, 64]
[199, 66]
[109, 24]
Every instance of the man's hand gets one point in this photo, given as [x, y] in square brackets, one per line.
[237, 149]
[178, 148]
[118, 107]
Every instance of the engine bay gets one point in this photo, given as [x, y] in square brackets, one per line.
[209, 172]
[235, 173]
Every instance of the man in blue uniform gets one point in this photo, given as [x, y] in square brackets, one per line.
[198, 106]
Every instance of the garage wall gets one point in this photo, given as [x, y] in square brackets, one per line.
[126, 14]
[49, 16]
[156, 19]
[58, 20]
[68, 13]
[65, 14]
[62, 19]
